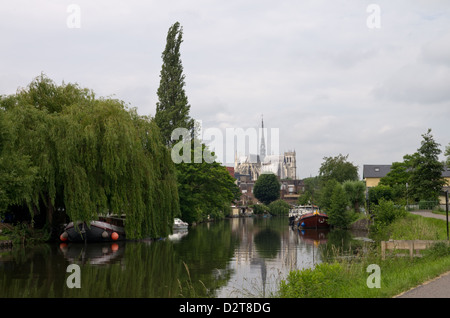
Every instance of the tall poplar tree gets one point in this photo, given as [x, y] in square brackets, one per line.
[172, 108]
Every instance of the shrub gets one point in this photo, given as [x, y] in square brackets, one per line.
[325, 280]
[439, 249]
[279, 207]
[387, 212]
[259, 208]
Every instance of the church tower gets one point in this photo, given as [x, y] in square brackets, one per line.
[290, 164]
[262, 149]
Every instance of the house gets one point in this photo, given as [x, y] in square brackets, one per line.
[373, 173]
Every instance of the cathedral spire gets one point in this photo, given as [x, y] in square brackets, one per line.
[262, 149]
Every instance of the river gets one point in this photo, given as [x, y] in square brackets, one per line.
[241, 257]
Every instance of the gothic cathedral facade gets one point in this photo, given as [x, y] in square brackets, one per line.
[284, 166]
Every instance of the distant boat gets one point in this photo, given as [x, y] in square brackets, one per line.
[106, 229]
[178, 224]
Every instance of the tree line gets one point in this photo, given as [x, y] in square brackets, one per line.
[338, 190]
[418, 178]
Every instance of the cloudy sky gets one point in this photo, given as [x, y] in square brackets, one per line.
[332, 76]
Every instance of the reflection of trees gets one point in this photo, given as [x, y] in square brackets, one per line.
[31, 272]
[207, 252]
[340, 242]
[156, 269]
[165, 268]
[267, 243]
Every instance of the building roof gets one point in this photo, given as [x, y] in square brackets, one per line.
[251, 158]
[446, 172]
[375, 171]
[379, 171]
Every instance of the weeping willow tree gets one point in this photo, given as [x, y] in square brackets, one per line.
[91, 156]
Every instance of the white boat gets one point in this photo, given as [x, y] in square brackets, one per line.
[179, 224]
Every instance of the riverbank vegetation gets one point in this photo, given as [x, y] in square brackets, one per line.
[418, 179]
[346, 275]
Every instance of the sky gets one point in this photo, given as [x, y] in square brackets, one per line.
[359, 78]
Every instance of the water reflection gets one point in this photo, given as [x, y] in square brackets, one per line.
[93, 254]
[234, 258]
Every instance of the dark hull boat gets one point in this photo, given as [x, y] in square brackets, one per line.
[104, 230]
[313, 220]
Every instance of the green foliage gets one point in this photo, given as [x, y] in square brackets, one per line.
[385, 213]
[205, 189]
[16, 170]
[338, 168]
[23, 233]
[426, 180]
[90, 156]
[415, 227]
[305, 198]
[438, 250]
[355, 191]
[422, 171]
[267, 188]
[338, 214]
[172, 108]
[323, 281]
[326, 191]
[380, 192]
[399, 174]
[312, 186]
[260, 208]
[447, 153]
[279, 207]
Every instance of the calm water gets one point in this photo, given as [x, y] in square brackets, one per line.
[244, 257]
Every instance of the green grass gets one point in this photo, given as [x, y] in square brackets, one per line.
[416, 227]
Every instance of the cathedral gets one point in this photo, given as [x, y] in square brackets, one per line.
[253, 165]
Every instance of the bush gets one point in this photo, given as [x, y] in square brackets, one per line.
[279, 207]
[439, 249]
[387, 212]
[260, 208]
[325, 280]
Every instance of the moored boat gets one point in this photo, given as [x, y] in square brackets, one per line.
[295, 212]
[178, 224]
[106, 229]
[313, 220]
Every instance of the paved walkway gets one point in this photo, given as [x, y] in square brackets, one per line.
[435, 288]
[429, 214]
[438, 287]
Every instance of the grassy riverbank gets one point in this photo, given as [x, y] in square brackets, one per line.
[351, 277]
